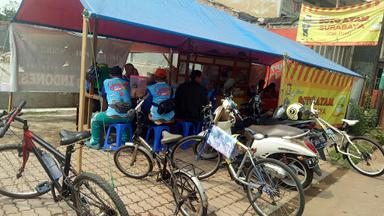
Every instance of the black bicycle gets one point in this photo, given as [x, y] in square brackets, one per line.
[22, 176]
[136, 160]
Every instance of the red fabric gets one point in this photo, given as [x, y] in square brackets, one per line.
[289, 33]
[45, 12]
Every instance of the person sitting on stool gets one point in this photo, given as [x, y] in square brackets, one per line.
[119, 102]
[158, 93]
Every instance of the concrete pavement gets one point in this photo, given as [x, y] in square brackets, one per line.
[346, 193]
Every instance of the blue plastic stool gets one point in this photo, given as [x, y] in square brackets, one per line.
[120, 128]
[189, 128]
[157, 132]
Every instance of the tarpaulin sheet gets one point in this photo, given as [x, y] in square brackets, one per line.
[48, 60]
[183, 24]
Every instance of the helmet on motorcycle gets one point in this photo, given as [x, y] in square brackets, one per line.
[295, 111]
[280, 113]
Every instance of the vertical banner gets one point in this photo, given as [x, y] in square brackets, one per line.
[355, 25]
[331, 91]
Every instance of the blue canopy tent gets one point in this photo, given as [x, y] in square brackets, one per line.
[181, 24]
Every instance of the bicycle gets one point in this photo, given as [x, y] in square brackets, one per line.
[352, 148]
[271, 186]
[136, 160]
[85, 193]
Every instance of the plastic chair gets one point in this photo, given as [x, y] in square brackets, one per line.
[188, 128]
[120, 128]
[157, 130]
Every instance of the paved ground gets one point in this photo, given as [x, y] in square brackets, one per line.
[148, 197]
[347, 193]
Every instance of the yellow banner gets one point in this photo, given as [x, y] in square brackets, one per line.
[331, 91]
[354, 25]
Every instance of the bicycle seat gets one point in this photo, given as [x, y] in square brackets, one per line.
[69, 137]
[276, 130]
[350, 122]
[170, 138]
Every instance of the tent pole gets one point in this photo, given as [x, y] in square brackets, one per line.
[170, 62]
[92, 84]
[282, 81]
[10, 101]
[82, 87]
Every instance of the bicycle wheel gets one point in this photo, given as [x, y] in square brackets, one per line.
[193, 150]
[370, 160]
[135, 164]
[93, 196]
[189, 195]
[268, 193]
[34, 174]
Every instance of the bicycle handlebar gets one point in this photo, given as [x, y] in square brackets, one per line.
[10, 117]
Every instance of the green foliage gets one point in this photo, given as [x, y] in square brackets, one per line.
[378, 134]
[9, 11]
[367, 118]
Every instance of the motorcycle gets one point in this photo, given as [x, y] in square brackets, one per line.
[254, 115]
[280, 142]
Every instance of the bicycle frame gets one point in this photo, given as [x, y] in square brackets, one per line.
[339, 149]
[29, 146]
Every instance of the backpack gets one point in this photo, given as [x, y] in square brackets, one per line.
[166, 106]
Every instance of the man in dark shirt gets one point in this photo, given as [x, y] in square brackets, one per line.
[190, 98]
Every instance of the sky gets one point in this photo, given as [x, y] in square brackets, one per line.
[5, 2]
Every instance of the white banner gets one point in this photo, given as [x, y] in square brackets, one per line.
[48, 60]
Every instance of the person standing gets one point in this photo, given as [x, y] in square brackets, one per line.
[157, 94]
[190, 98]
[119, 102]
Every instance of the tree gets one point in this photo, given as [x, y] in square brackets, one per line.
[9, 11]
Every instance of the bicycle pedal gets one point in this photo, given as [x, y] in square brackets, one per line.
[43, 187]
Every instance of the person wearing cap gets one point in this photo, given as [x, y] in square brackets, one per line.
[157, 93]
[119, 102]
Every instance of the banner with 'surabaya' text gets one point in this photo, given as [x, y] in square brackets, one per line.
[355, 25]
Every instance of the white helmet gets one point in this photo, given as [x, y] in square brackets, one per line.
[295, 111]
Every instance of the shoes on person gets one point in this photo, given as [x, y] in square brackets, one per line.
[91, 145]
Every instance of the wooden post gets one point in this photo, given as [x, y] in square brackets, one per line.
[282, 82]
[337, 3]
[82, 87]
[170, 62]
[10, 101]
[89, 100]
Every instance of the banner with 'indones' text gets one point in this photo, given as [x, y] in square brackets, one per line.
[355, 25]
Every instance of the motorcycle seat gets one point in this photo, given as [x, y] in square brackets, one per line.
[350, 122]
[170, 138]
[276, 130]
